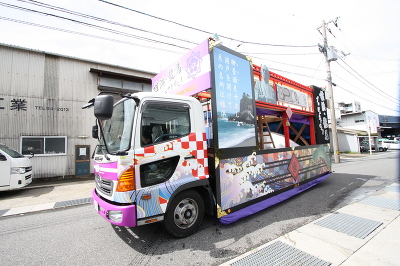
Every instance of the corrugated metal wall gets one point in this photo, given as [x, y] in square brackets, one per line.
[42, 95]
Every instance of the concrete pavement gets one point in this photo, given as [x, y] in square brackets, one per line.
[366, 232]
[39, 196]
[363, 233]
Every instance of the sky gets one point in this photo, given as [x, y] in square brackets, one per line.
[283, 35]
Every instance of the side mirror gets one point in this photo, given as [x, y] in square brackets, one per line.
[95, 132]
[103, 107]
[2, 157]
[32, 155]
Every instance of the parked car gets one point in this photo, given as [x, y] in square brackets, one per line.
[15, 169]
[392, 144]
[364, 146]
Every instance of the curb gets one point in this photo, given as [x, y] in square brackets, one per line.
[44, 206]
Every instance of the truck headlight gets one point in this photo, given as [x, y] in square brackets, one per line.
[115, 216]
[18, 170]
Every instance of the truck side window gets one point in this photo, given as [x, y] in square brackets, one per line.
[157, 172]
[164, 121]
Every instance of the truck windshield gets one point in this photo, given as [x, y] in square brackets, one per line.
[118, 129]
[11, 152]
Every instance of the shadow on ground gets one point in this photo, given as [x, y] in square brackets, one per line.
[228, 241]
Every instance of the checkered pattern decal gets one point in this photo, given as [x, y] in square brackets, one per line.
[192, 147]
[194, 144]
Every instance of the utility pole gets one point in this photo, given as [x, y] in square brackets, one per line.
[331, 101]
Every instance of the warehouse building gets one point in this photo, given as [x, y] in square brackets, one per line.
[41, 99]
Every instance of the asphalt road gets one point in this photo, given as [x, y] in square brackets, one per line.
[78, 236]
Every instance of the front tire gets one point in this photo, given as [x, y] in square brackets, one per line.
[185, 214]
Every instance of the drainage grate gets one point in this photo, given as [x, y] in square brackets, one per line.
[280, 253]
[72, 202]
[382, 203]
[349, 224]
[395, 188]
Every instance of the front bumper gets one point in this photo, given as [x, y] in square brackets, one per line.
[102, 207]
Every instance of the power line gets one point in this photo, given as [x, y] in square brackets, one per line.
[280, 54]
[384, 94]
[203, 31]
[363, 55]
[320, 62]
[85, 34]
[367, 99]
[367, 80]
[344, 80]
[37, 3]
[308, 68]
[93, 26]
[297, 74]
[374, 58]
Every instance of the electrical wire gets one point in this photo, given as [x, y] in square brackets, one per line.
[382, 94]
[250, 53]
[85, 34]
[367, 80]
[309, 68]
[363, 92]
[367, 99]
[203, 31]
[56, 8]
[316, 70]
[357, 57]
[297, 74]
[93, 26]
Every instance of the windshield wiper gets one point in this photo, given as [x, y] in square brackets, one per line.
[104, 152]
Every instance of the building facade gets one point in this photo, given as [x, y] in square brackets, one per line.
[390, 126]
[41, 99]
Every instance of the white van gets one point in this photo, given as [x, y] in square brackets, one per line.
[15, 169]
[393, 144]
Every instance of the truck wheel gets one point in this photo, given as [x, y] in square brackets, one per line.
[380, 149]
[185, 214]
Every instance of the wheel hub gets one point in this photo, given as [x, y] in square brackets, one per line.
[186, 213]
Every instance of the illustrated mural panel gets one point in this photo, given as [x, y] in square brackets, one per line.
[247, 178]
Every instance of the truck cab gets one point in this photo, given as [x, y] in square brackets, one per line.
[152, 153]
[15, 169]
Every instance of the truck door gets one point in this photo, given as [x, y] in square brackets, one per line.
[5, 169]
[160, 154]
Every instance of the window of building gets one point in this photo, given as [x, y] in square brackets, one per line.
[44, 146]
[118, 84]
[359, 120]
[385, 119]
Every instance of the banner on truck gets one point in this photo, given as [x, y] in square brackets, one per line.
[187, 76]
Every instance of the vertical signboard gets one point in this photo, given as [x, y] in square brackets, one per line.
[321, 116]
[187, 76]
[233, 99]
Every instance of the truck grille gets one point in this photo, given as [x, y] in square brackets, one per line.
[28, 177]
[104, 185]
[28, 169]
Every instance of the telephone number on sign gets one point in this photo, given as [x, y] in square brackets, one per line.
[62, 109]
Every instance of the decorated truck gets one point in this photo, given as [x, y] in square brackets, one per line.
[216, 135]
